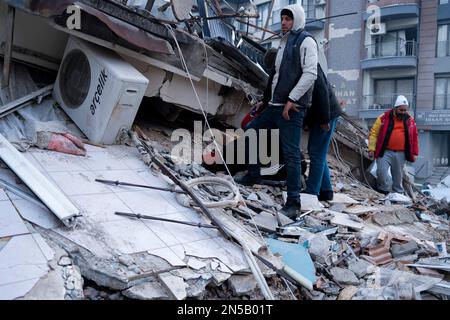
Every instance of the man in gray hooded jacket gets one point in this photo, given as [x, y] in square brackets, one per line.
[287, 98]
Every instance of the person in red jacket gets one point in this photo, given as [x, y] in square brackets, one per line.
[393, 141]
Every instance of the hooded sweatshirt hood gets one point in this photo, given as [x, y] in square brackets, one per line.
[299, 16]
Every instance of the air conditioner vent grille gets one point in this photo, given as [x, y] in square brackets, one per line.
[75, 79]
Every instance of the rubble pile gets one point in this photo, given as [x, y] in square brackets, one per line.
[364, 245]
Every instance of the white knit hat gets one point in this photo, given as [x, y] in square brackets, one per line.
[401, 101]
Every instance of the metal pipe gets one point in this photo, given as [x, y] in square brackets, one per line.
[20, 193]
[188, 223]
[120, 183]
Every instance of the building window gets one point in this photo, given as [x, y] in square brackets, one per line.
[443, 44]
[399, 43]
[442, 96]
[443, 1]
[263, 11]
[387, 91]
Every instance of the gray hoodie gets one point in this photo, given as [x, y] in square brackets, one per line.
[308, 52]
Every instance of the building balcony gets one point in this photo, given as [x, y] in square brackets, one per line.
[395, 9]
[375, 105]
[396, 54]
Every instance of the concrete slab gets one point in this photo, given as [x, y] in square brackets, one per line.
[342, 219]
[168, 255]
[175, 285]
[100, 208]
[147, 291]
[184, 233]
[79, 183]
[197, 264]
[59, 162]
[36, 214]
[128, 175]
[87, 239]
[310, 202]
[3, 195]
[147, 202]
[17, 290]
[22, 264]
[48, 252]
[50, 287]
[268, 222]
[130, 236]
[343, 198]
[359, 210]
[161, 229]
[10, 222]
[218, 248]
[102, 160]
[242, 285]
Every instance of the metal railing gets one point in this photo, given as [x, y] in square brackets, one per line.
[442, 102]
[443, 48]
[384, 102]
[391, 49]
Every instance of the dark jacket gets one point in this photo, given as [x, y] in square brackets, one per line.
[325, 105]
[290, 73]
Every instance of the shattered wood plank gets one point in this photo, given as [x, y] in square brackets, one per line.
[25, 101]
[50, 195]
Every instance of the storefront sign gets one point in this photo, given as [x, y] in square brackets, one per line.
[433, 118]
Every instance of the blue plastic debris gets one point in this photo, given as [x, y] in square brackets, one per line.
[295, 256]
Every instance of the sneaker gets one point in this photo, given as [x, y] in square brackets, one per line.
[291, 209]
[326, 195]
[248, 180]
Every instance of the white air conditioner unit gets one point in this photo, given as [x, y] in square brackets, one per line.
[377, 29]
[98, 90]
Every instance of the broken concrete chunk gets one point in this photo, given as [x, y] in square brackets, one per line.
[175, 285]
[253, 197]
[338, 207]
[146, 291]
[406, 216]
[126, 260]
[386, 218]
[360, 210]
[319, 248]
[360, 267]
[399, 250]
[347, 293]
[65, 261]
[344, 276]
[242, 285]
[343, 198]
[268, 222]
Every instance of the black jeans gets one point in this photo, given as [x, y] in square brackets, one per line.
[290, 136]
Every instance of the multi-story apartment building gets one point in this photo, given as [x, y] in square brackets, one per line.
[407, 52]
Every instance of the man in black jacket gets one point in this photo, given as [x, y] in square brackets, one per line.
[321, 121]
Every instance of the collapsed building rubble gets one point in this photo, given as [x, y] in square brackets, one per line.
[138, 236]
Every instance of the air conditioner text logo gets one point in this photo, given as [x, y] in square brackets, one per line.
[74, 20]
[98, 93]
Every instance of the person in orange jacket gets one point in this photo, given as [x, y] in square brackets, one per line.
[393, 141]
